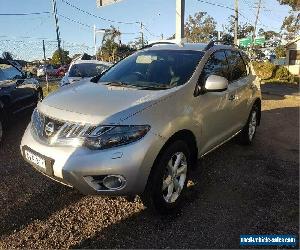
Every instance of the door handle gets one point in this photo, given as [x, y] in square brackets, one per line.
[231, 97]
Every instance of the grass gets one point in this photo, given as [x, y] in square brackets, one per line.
[52, 88]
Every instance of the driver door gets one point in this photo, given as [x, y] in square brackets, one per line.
[215, 108]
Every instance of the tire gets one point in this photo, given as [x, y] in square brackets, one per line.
[248, 132]
[1, 130]
[40, 95]
[166, 185]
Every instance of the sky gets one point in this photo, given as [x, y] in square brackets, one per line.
[23, 35]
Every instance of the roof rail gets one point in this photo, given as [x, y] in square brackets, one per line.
[152, 44]
[213, 42]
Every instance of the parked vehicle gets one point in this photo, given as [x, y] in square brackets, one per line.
[41, 71]
[61, 71]
[141, 126]
[17, 94]
[84, 69]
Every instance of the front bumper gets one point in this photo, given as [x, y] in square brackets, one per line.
[73, 166]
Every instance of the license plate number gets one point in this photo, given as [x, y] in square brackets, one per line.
[37, 160]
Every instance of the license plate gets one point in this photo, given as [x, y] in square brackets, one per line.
[37, 160]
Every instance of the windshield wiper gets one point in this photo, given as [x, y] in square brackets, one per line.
[155, 87]
[121, 84]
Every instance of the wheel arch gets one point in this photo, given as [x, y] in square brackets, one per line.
[186, 136]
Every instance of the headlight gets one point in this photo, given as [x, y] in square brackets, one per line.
[111, 136]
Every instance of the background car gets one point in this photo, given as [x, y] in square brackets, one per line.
[84, 69]
[46, 68]
[17, 93]
[62, 70]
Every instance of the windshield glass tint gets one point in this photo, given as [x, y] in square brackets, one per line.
[9, 72]
[86, 70]
[167, 68]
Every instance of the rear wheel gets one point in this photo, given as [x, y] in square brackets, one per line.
[167, 181]
[248, 133]
[1, 130]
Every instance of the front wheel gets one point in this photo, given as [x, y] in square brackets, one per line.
[248, 133]
[168, 179]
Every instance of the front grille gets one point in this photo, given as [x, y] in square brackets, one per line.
[54, 131]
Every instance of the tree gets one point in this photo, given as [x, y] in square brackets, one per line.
[56, 57]
[270, 34]
[200, 28]
[7, 56]
[291, 23]
[244, 29]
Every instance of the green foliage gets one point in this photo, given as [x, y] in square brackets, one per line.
[111, 50]
[244, 29]
[282, 73]
[264, 70]
[294, 4]
[52, 88]
[56, 57]
[280, 51]
[200, 28]
[291, 23]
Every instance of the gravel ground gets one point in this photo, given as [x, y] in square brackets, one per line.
[238, 190]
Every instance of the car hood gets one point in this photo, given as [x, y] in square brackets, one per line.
[95, 102]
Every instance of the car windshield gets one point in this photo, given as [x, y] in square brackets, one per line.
[87, 69]
[9, 72]
[154, 68]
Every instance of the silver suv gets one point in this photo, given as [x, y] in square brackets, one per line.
[140, 127]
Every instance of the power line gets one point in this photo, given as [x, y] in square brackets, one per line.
[93, 15]
[24, 14]
[75, 21]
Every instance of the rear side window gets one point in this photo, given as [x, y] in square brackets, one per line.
[216, 65]
[237, 66]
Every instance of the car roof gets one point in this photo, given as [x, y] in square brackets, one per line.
[92, 61]
[168, 45]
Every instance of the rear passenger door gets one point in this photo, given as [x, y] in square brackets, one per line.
[239, 82]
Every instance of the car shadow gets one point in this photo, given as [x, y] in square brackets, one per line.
[236, 190]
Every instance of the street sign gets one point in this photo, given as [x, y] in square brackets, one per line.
[247, 41]
[259, 40]
[101, 3]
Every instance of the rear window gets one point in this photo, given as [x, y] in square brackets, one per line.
[86, 69]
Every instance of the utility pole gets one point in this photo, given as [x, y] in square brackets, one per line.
[97, 31]
[46, 74]
[180, 4]
[142, 34]
[255, 24]
[57, 30]
[236, 21]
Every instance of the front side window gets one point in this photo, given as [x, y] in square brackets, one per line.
[86, 69]
[155, 68]
[216, 65]
[236, 65]
[10, 73]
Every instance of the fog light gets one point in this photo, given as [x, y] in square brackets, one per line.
[114, 182]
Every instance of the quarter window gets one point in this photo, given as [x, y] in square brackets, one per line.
[237, 67]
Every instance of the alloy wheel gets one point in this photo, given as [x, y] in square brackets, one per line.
[252, 125]
[174, 177]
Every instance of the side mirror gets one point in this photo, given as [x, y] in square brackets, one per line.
[216, 83]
